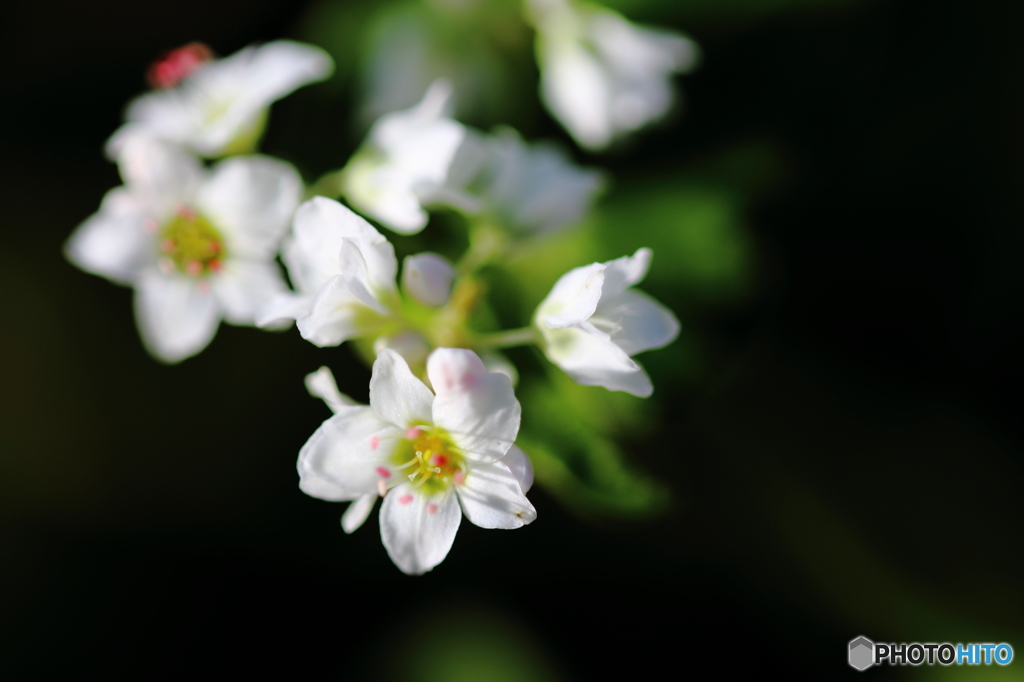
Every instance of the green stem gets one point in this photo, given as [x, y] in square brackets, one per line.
[485, 242]
[507, 338]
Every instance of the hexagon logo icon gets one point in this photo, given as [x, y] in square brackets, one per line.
[862, 653]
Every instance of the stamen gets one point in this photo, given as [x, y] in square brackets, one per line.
[382, 472]
[431, 508]
[412, 433]
[374, 442]
[460, 477]
[382, 488]
[405, 499]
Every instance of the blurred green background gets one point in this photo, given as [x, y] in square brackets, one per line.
[833, 449]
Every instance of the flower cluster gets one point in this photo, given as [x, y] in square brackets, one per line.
[199, 244]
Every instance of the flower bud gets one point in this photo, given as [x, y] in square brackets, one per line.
[427, 277]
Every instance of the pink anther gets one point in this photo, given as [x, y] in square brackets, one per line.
[431, 508]
[203, 286]
[168, 246]
[151, 226]
[186, 212]
[374, 442]
[439, 460]
[194, 267]
[382, 472]
[215, 265]
[412, 433]
[405, 499]
[460, 476]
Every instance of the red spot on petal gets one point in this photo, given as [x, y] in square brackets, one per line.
[382, 472]
[174, 65]
[431, 508]
[460, 477]
[412, 433]
[374, 442]
[405, 499]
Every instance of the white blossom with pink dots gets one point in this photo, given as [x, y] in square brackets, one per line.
[434, 457]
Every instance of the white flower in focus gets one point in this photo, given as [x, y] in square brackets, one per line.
[220, 108]
[602, 76]
[197, 245]
[592, 322]
[344, 271]
[404, 163]
[534, 188]
[432, 457]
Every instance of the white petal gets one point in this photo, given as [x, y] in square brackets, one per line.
[346, 457]
[591, 358]
[312, 254]
[640, 322]
[357, 275]
[409, 344]
[578, 90]
[427, 277]
[321, 384]
[521, 467]
[625, 272]
[418, 531]
[396, 395]
[336, 315]
[496, 362]
[114, 242]
[176, 317]
[251, 201]
[357, 512]
[242, 288]
[478, 408]
[282, 309]
[574, 297]
[160, 172]
[384, 193]
[492, 498]
[280, 67]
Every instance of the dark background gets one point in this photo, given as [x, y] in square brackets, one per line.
[848, 463]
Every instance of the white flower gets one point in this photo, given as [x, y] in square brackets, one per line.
[428, 277]
[534, 188]
[601, 75]
[220, 108]
[432, 457]
[197, 245]
[344, 271]
[592, 322]
[404, 163]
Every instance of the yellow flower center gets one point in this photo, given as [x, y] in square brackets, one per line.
[429, 459]
[192, 243]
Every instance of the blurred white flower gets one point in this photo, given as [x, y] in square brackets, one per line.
[403, 165]
[428, 277]
[602, 76]
[197, 245]
[220, 107]
[533, 188]
[432, 457]
[592, 322]
[344, 271]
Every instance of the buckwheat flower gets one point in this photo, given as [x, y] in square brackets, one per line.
[534, 188]
[592, 322]
[403, 165]
[220, 107]
[344, 271]
[197, 245]
[434, 457]
[602, 76]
